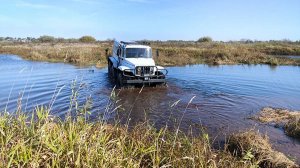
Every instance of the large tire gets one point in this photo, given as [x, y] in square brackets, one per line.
[109, 68]
[111, 71]
[120, 79]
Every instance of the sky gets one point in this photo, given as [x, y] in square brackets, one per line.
[223, 20]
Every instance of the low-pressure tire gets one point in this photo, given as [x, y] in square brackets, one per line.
[111, 70]
[120, 79]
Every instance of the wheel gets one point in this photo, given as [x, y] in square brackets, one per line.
[111, 71]
[120, 79]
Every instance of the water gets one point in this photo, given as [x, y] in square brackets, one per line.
[296, 57]
[219, 98]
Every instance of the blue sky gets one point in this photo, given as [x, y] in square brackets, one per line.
[152, 19]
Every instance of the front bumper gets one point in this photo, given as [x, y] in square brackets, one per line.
[141, 81]
[157, 78]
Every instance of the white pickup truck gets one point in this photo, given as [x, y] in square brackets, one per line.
[132, 63]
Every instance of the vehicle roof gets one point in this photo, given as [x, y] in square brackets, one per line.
[136, 46]
[132, 45]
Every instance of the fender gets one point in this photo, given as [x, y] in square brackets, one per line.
[160, 68]
[114, 61]
[122, 68]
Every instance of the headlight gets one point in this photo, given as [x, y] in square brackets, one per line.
[138, 70]
[151, 70]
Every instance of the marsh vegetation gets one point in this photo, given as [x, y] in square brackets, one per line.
[42, 140]
[86, 51]
[289, 120]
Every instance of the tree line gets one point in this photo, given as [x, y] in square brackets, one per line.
[50, 39]
[91, 39]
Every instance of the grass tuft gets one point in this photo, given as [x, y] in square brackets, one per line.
[253, 147]
[289, 119]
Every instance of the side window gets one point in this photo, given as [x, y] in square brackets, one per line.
[122, 54]
[119, 52]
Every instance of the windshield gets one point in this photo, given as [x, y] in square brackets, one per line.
[138, 53]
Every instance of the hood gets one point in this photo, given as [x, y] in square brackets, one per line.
[141, 61]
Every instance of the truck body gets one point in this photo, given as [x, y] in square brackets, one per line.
[132, 63]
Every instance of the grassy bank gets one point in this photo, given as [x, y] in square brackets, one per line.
[169, 53]
[289, 120]
[226, 53]
[75, 53]
[45, 141]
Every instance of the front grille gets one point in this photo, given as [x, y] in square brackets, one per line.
[143, 71]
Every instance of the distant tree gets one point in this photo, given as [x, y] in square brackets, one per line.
[61, 40]
[246, 41]
[46, 39]
[29, 39]
[204, 39]
[9, 39]
[1, 38]
[87, 39]
[72, 40]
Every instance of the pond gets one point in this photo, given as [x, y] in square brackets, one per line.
[219, 98]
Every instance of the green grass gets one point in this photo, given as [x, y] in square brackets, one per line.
[43, 140]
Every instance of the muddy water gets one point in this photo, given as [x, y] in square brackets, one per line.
[219, 98]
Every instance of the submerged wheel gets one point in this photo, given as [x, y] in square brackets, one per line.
[120, 79]
[111, 71]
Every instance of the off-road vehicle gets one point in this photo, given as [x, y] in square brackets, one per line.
[132, 63]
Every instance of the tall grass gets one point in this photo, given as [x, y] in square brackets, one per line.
[42, 141]
[39, 139]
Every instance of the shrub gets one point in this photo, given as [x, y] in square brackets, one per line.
[205, 39]
[46, 39]
[87, 39]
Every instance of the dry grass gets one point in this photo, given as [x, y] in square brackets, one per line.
[290, 119]
[276, 115]
[75, 53]
[292, 127]
[170, 54]
[225, 53]
[253, 147]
